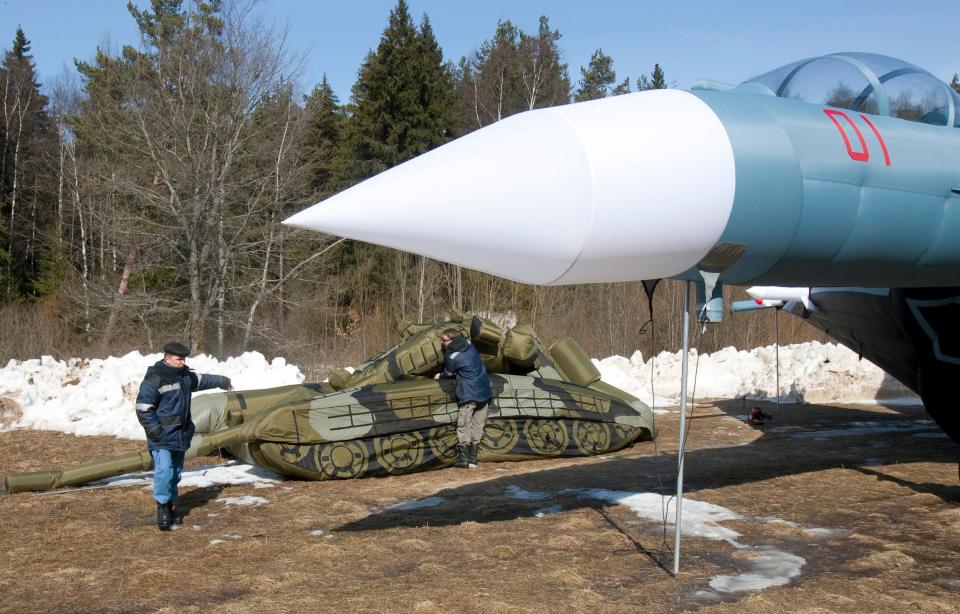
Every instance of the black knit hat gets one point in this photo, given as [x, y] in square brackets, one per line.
[176, 349]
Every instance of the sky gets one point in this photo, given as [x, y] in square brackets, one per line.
[715, 39]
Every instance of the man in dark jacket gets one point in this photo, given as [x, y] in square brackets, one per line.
[163, 409]
[462, 361]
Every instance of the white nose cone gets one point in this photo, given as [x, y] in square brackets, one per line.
[632, 187]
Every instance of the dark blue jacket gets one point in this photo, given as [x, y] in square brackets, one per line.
[462, 361]
[163, 404]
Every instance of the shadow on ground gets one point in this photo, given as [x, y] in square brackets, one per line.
[189, 501]
[800, 439]
[197, 498]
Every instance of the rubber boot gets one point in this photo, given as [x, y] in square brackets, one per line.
[472, 454]
[463, 458]
[164, 516]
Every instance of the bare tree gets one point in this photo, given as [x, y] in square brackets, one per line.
[544, 76]
[196, 171]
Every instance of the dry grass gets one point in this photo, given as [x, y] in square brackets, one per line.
[10, 412]
[894, 545]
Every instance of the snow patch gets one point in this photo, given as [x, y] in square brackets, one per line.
[553, 509]
[769, 566]
[413, 505]
[700, 519]
[244, 500]
[820, 533]
[775, 520]
[515, 492]
[231, 474]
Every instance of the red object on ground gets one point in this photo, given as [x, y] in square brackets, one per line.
[757, 417]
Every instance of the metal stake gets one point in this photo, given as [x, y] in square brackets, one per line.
[683, 418]
[776, 334]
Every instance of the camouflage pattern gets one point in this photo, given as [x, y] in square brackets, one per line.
[387, 429]
[391, 417]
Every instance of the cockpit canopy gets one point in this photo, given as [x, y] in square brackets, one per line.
[866, 83]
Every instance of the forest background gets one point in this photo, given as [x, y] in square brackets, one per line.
[141, 195]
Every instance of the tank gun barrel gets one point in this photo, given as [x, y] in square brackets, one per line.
[219, 417]
[202, 445]
[81, 474]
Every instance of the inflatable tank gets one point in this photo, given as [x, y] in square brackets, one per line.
[390, 416]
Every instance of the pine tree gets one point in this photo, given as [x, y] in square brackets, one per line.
[622, 88]
[955, 84]
[657, 81]
[435, 95]
[401, 107]
[27, 135]
[402, 100]
[325, 119]
[598, 78]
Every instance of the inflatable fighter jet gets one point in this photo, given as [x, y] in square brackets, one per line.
[838, 171]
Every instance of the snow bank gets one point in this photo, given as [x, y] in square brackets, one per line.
[812, 372]
[96, 396]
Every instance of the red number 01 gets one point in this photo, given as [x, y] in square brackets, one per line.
[863, 155]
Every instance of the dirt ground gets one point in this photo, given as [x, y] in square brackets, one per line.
[883, 482]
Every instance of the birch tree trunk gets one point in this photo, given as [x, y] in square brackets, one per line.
[11, 228]
[60, 173]
[420, 284]
[84, 268]
[222, 271]
[458, 276]
[262, 291]
[118, 298]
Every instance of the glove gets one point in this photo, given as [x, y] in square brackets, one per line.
[226, 384]
[155, 434]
